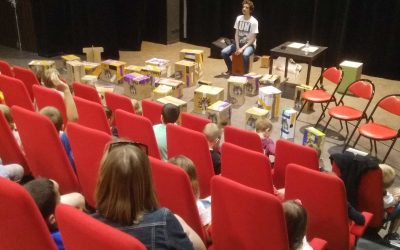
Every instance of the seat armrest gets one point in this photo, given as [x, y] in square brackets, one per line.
[358, 230]
[318, 244]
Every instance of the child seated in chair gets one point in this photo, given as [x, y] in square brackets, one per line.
[391, 202]
[213, 135]
[7, 114]
[45, 192]
[263, 129]
[296, 224]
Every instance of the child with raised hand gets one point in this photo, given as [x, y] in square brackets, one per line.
[263, 129]
[213, 135]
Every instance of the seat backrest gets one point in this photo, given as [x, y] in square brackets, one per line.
[116, 101]
[43, 149]
[363, 88]
[193, 122]
[324, 198]
[50, 97]
[6, 69]
[243, 138]
[246, 218]
[289, 152]
[80, 231]
[152, 110]
[137, 128]
[15, 93]
[86, 92]
[27, 77]
[88, 147]
[92, 115]
[390, 103]
[22, 225]
[10, 152]
[333, 74]
[192, 144]
[174, 191]
[247, 167]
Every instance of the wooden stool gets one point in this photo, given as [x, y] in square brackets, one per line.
[237, 64]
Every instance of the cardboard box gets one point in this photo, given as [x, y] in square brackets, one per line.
[288, 123]
[252, 114]
[113, 71]
[133, 69]
[178, 102]
[163, 64]
[205, 96]
[154, 72]
[161, 91]
[67, 58]
[185, 71]
[298, 101]
[269, 80]
[40, 66]
[75, 71]
[89, 79]
[253, 83]
[93, 54]
[176, 85]
[196, 56]
[204, 82]
[137, 86]
[102, 90]
[220, 113]
[313, 136]
[92, 68]
[264, 62]
[269, 98]
[351, 72]
[236, 90]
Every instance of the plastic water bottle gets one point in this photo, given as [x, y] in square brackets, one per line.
[306, 48]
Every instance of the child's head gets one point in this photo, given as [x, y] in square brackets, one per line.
[54, 115]
[170, 113]
[263, 125]
[48, 76]
[388, 175]
[186, 164]
[137, 107]
[296, 222]
[213, 134]
[7, 114]
[45, 193]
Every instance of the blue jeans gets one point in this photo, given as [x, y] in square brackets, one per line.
[229, 50]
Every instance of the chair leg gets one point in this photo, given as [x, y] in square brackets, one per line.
[358, 138]
[301, 109]
[327, 123]
[390, 149]
[347, 129]
[351, 136]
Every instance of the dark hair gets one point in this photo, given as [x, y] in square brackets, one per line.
[187, 164]
[43, 193]
[250, 3]
[54, 115]
[170, 113]
[296, 222]
[124, 189]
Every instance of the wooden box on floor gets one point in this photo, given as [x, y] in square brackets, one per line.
[176, 85]
[75, 71]
[133, 69]
[185, 71]
[67, 58]
[196, 56]
[92, 68]
[154, 72]
[102, 90]
[264, 62]
[205, 96]
[236, 90]
[252, 114]
[112, 71]
[351, 72]
[288, 123]
[163, 64]
[220, 113]
[89, 80]
[313, 136]
[270, 80]
[298, 101]
[40, 66]
[177, 102]
[238, 66]
[269, 98]
[161, 91]
[253, 83]
[137, 86]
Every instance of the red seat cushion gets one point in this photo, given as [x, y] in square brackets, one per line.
[345, 113]
[317, 95]
[377, 131]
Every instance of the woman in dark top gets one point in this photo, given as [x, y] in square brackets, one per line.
[126, 200]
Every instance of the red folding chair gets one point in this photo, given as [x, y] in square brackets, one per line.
[378, 131]
[116, 101]
[247, 167]
[86, 92]
[137, 128]
[44, 152]
[243, 138]
[192, 144]
[324, 197]
[50, 97]
[6, 69]
[194, 122]
[22, 225]
[80, 231]
[289, 152]
[92, 115]
[152, 110]
[179, 197]
[27, 77]
[15, 93]
[319, 94]
[88, 146]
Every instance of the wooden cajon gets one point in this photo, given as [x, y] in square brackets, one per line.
[93, 54]
[237, 64]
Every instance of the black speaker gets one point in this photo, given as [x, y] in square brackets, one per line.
[217, 46]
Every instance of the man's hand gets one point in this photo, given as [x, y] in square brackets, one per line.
[239, 51]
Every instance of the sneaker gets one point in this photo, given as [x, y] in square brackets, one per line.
[392, 237]
[227, 73]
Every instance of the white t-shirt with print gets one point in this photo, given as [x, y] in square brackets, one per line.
[245, 28]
